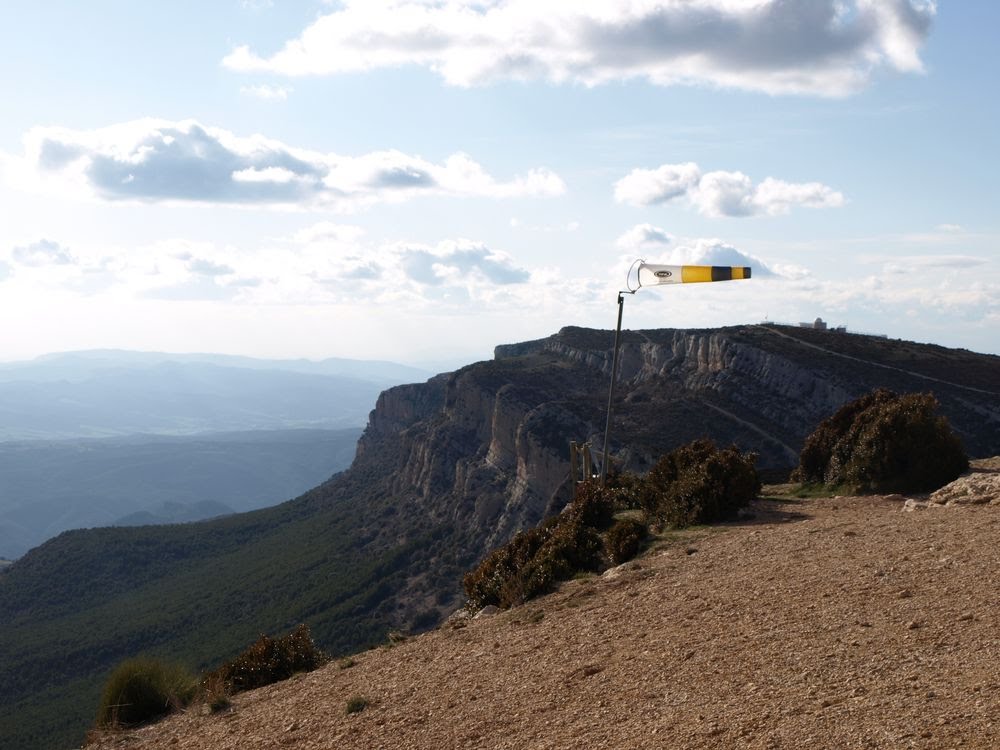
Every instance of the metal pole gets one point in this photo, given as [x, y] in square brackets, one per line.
[611, 390]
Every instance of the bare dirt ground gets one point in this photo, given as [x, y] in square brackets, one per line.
[830, 623]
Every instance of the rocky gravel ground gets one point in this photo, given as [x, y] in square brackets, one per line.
[842, 622]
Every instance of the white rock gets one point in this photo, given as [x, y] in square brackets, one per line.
[488, 611]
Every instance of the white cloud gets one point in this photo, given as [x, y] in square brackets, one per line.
[414, 296]
[408, 275]
[711, 252]
[204, 267]
[451, 261]
[325, 231]
[161, 161]
[267, 92]
[42, 253]
[644, 237]
[824, 47]
[325, 263]
[647, 187]
[721, 194]
[932, 304]
[902, 264]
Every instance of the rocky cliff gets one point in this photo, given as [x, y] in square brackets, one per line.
[445, 471]
[487, 448]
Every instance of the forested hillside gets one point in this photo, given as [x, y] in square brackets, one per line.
[51, 486]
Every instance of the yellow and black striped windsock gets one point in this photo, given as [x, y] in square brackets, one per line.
[651, 274]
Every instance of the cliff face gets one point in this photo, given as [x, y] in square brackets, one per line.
[715, 363]
[486, 448]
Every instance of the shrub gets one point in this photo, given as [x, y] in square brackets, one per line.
[214, 693]
[533, 561]
[819, 446]
[142, 690]
[356, 704]
[623, 539]
[484, 585]
[697, 483]
[624, 490]
[571, 547]
[269, 660]
[592, 505]
[219, 702]
[884, 442]
[700, 483]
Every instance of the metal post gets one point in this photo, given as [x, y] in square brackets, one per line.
[611, 390]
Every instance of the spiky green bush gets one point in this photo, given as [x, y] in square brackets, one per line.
[884, 442]
[573, 546]
[624, 538]
[624, 490]
[142, 690]
[267, 661]
[535, 560]
[818, 448]
[592, 505]
[700, 483]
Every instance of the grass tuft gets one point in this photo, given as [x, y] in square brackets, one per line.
[356, 704]
[142, 690]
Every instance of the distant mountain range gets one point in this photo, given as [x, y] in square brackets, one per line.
[50, 486]
[107, 393]
[444, 471]
[266, 430]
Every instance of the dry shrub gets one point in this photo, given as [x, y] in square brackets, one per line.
[699, 483]
[535, 560]
[884, 442]
[624, 538]
[267, 661]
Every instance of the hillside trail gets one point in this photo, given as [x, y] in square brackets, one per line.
[911, 373]
[842, 622]
[790, 452]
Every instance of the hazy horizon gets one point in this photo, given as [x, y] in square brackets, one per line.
[425, 365]
[418, 181]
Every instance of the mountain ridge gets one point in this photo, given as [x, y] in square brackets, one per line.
[444, 471]
[109, 393]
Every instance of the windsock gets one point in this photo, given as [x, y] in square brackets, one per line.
[651, 275]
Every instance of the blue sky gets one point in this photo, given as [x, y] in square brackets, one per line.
[422, 180]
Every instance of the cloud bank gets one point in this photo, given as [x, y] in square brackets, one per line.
[41, 253]
[721, 194]
[817, 47]
[320, 264]
[160, 161]
[695, 252]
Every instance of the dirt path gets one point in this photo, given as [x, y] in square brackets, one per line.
[832, 623]
[911, 373]
[790, 452]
